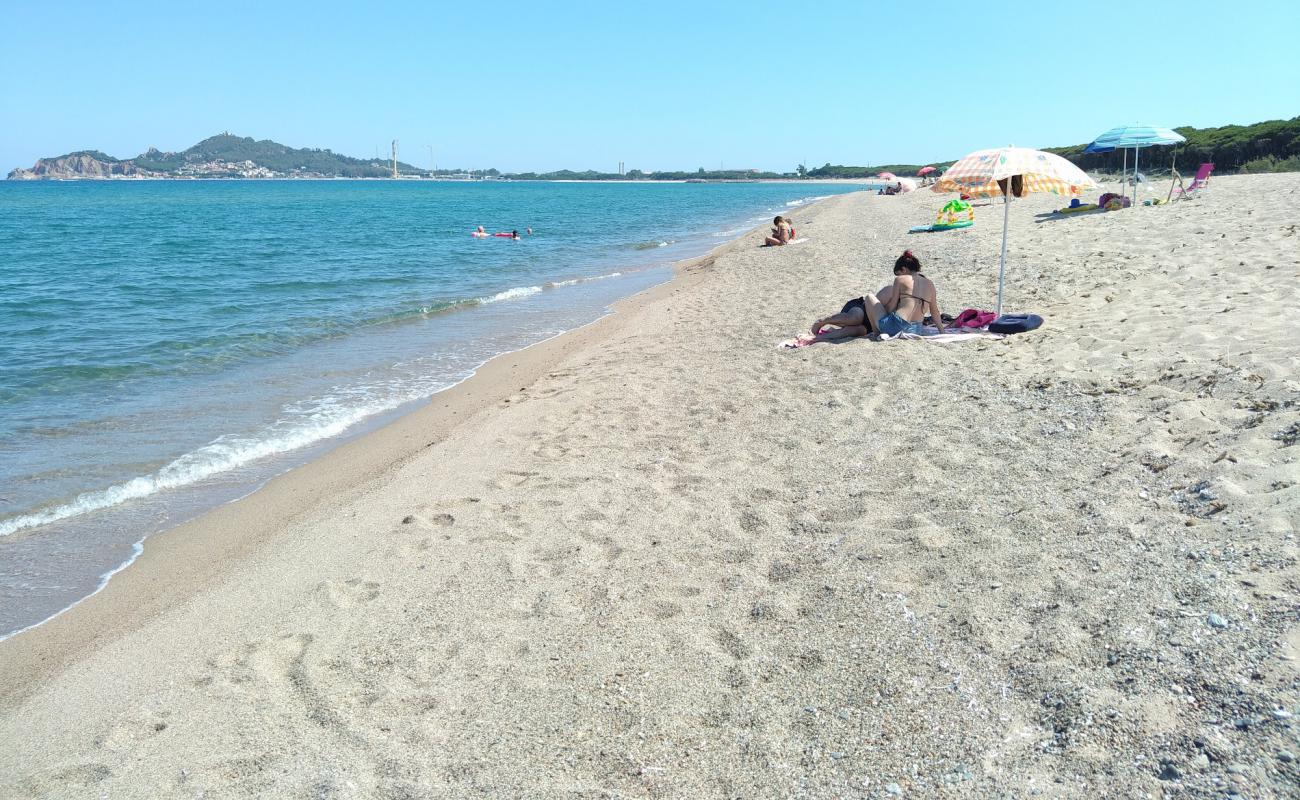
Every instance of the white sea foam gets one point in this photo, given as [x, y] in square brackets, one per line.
[305, 425]
[511, 294]
[330, 418]
[795, 203]
[732, 232]
[576, 281]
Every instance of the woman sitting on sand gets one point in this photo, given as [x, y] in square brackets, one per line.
[781, 234]
[897, 308]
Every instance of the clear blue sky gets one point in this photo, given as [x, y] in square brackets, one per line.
[663, 85]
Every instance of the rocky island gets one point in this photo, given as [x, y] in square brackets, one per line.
[221, 156]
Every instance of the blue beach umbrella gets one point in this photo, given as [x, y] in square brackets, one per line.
[1136, 137]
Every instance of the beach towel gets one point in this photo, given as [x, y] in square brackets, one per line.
[802, 340]
[966, 335]
[929, 334]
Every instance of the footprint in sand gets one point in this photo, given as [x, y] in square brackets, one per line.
[731, 644]
[347, 593]
[512, 479]
[132, 728]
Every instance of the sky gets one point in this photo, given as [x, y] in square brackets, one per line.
[659, 86]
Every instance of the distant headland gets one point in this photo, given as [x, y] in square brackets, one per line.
[1272, 146]
[220, 156]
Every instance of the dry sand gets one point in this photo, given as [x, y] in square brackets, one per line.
[661, 558]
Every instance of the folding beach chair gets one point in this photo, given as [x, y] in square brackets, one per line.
[1198, 183]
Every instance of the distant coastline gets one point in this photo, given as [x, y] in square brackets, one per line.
[1270, 146]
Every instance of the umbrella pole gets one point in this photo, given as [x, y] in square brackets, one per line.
[1137, 151]
[1173, 173]
[1123, 175]
[1002, 265]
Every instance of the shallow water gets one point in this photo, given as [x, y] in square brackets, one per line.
[168, 346]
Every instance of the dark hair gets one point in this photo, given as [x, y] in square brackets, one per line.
[908, 262]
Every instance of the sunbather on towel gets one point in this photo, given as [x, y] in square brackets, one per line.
[782, 234]
[897, 308]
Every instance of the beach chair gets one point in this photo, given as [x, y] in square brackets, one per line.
[1198, 183]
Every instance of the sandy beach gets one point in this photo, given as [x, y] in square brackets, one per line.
[660, 557]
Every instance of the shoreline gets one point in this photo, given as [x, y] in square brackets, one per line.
[661, 557]
[362, 457]
[289, 461]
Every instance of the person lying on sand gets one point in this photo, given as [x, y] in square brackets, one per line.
[897, 308]
[781, 234]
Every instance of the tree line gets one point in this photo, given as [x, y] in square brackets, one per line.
[1271, 146]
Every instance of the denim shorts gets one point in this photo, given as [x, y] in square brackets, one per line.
[891, 325]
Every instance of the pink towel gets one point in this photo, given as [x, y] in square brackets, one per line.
[802, 340]
[973, 318]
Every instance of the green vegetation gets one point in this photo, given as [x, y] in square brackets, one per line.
[95, 154]
[1272, 146]
[271, 155]
[1272, 164]
[860, 173]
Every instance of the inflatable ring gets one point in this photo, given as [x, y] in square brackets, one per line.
[1015, 323]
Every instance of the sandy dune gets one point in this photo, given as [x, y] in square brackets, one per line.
[675, 561]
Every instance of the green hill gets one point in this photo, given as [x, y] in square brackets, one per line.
[272, 156]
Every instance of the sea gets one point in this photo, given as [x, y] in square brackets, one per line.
[169, 346]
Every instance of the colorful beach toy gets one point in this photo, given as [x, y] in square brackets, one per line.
[955, 214]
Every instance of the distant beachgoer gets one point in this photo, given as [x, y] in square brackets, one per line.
[897, 308]
[781, 234]
[480, 233]
[514, 234]
[530, 231]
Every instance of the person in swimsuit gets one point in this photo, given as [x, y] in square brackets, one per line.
[780, 234]
[897, 308]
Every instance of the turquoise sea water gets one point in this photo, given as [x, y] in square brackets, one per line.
[168, 346]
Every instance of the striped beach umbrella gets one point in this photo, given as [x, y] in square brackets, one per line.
[1136, 137]
[1012, 170]
[1133, 136]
